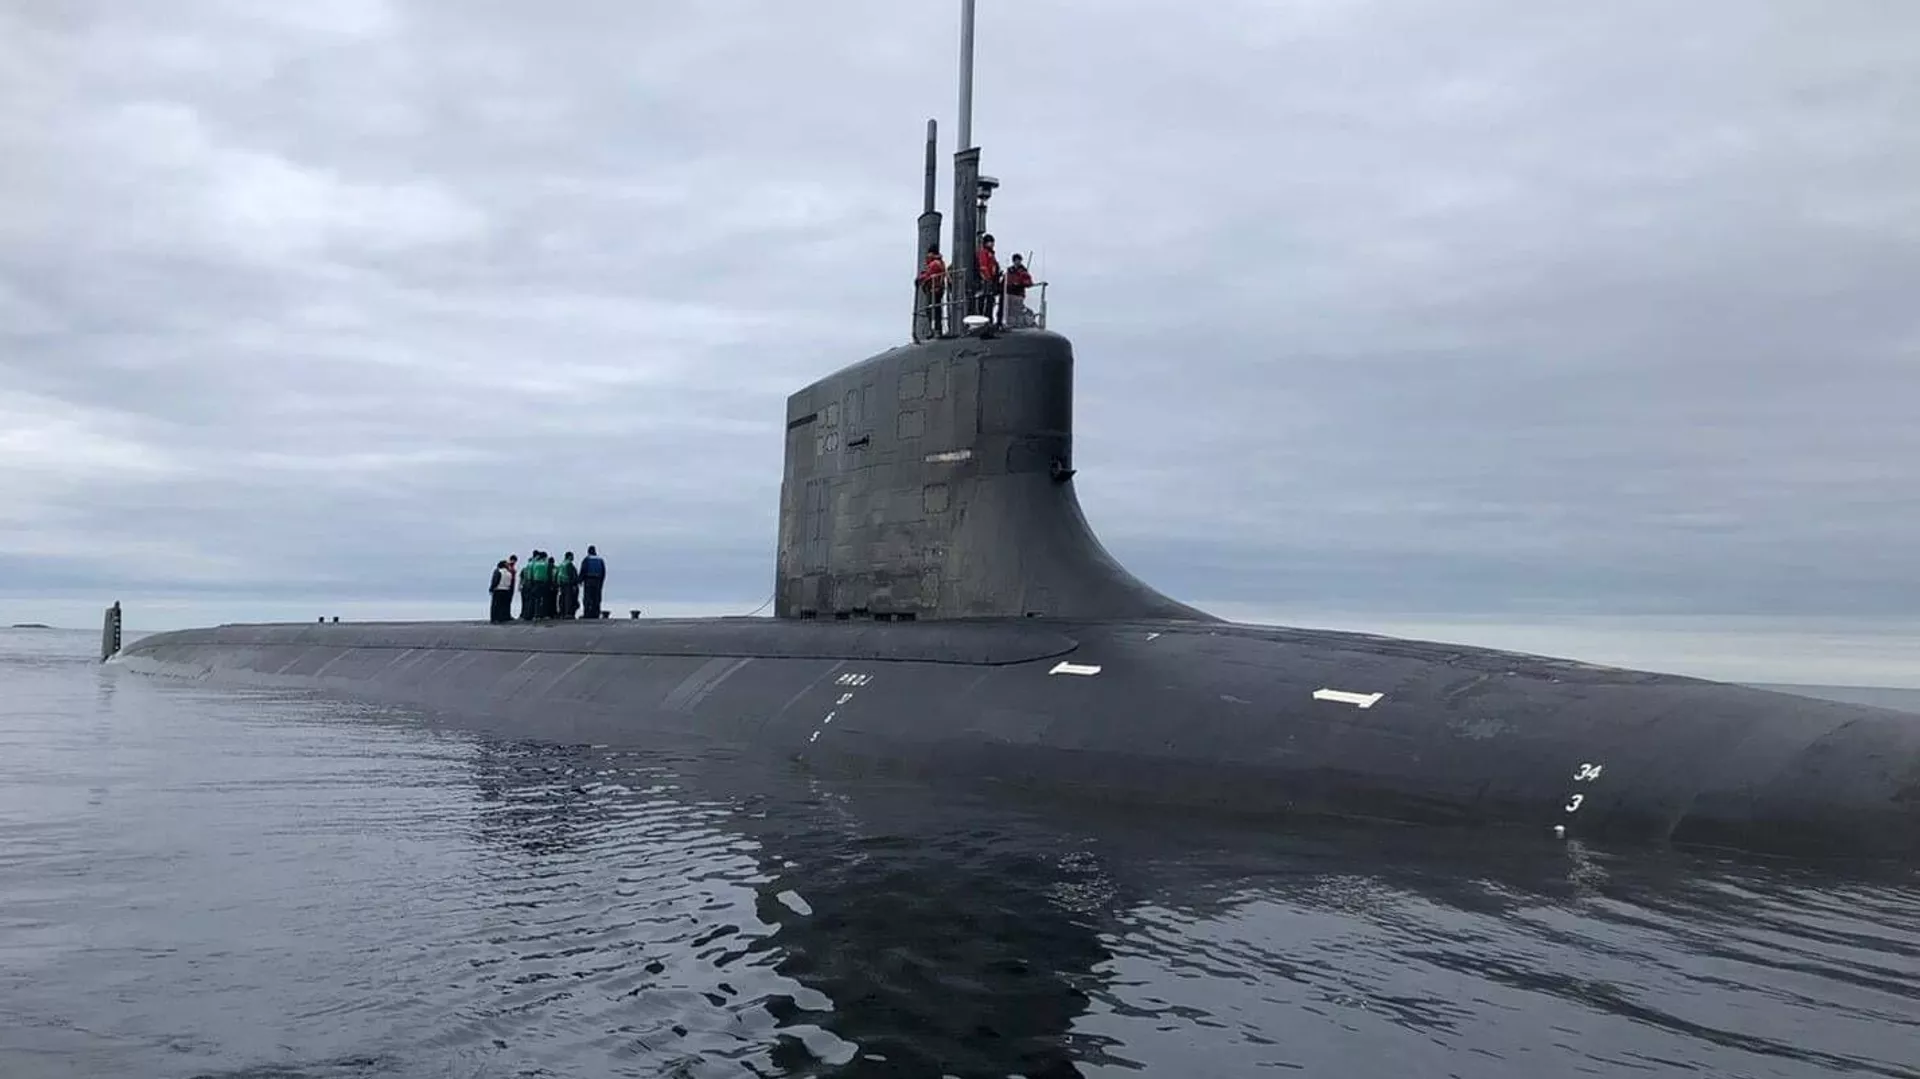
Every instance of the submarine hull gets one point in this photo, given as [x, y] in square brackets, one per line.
[1247, 720]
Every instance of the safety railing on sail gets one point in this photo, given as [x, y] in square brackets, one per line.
[938, 311]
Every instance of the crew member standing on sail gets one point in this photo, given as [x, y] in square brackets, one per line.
[988, 265]
[933, 288]
[593, 575]
[1018, 281]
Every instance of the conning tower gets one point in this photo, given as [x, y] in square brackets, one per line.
[935, 480]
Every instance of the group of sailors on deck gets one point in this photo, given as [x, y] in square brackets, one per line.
[548, 589]
[1000, 296]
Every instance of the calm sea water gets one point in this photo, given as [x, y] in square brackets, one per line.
[267, 885]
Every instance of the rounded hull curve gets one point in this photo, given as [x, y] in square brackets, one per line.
[1243, 720]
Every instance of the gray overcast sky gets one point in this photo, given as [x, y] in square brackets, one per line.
[1462, 311]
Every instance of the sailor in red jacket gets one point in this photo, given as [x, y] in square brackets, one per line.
[1018, 282]
[933, 287]
[988, 266]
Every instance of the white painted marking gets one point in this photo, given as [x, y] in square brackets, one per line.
[1559, 831]
[950, 455]
[849, 679]
[1358, 700]
[1151, 636]
[1587, 773]
[1574, 802]
[1063, 667]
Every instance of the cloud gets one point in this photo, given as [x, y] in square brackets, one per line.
[1460, 309]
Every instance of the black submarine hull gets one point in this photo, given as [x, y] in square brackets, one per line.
[1246, 720]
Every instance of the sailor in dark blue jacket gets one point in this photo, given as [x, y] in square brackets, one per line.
[593, 577]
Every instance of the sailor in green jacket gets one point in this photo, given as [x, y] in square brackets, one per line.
[542, 586]
[526, 587]
[566, 579]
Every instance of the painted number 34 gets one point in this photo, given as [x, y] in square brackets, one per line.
[1587, 773]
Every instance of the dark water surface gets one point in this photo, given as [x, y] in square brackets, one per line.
[266, 885]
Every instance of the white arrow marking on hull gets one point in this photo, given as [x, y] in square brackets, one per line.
[1063, 667]
[1360, 700]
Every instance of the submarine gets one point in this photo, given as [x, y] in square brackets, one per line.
[943, 608]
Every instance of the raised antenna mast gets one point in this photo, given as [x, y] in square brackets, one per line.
[966, 75]
[966, 183]
[933, 167]
[928, 238]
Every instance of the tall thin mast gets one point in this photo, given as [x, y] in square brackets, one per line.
[966, 75]
[933, 168]
[927, 239]
[966, 182]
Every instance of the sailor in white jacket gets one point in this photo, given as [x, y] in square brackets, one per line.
[502, 590]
